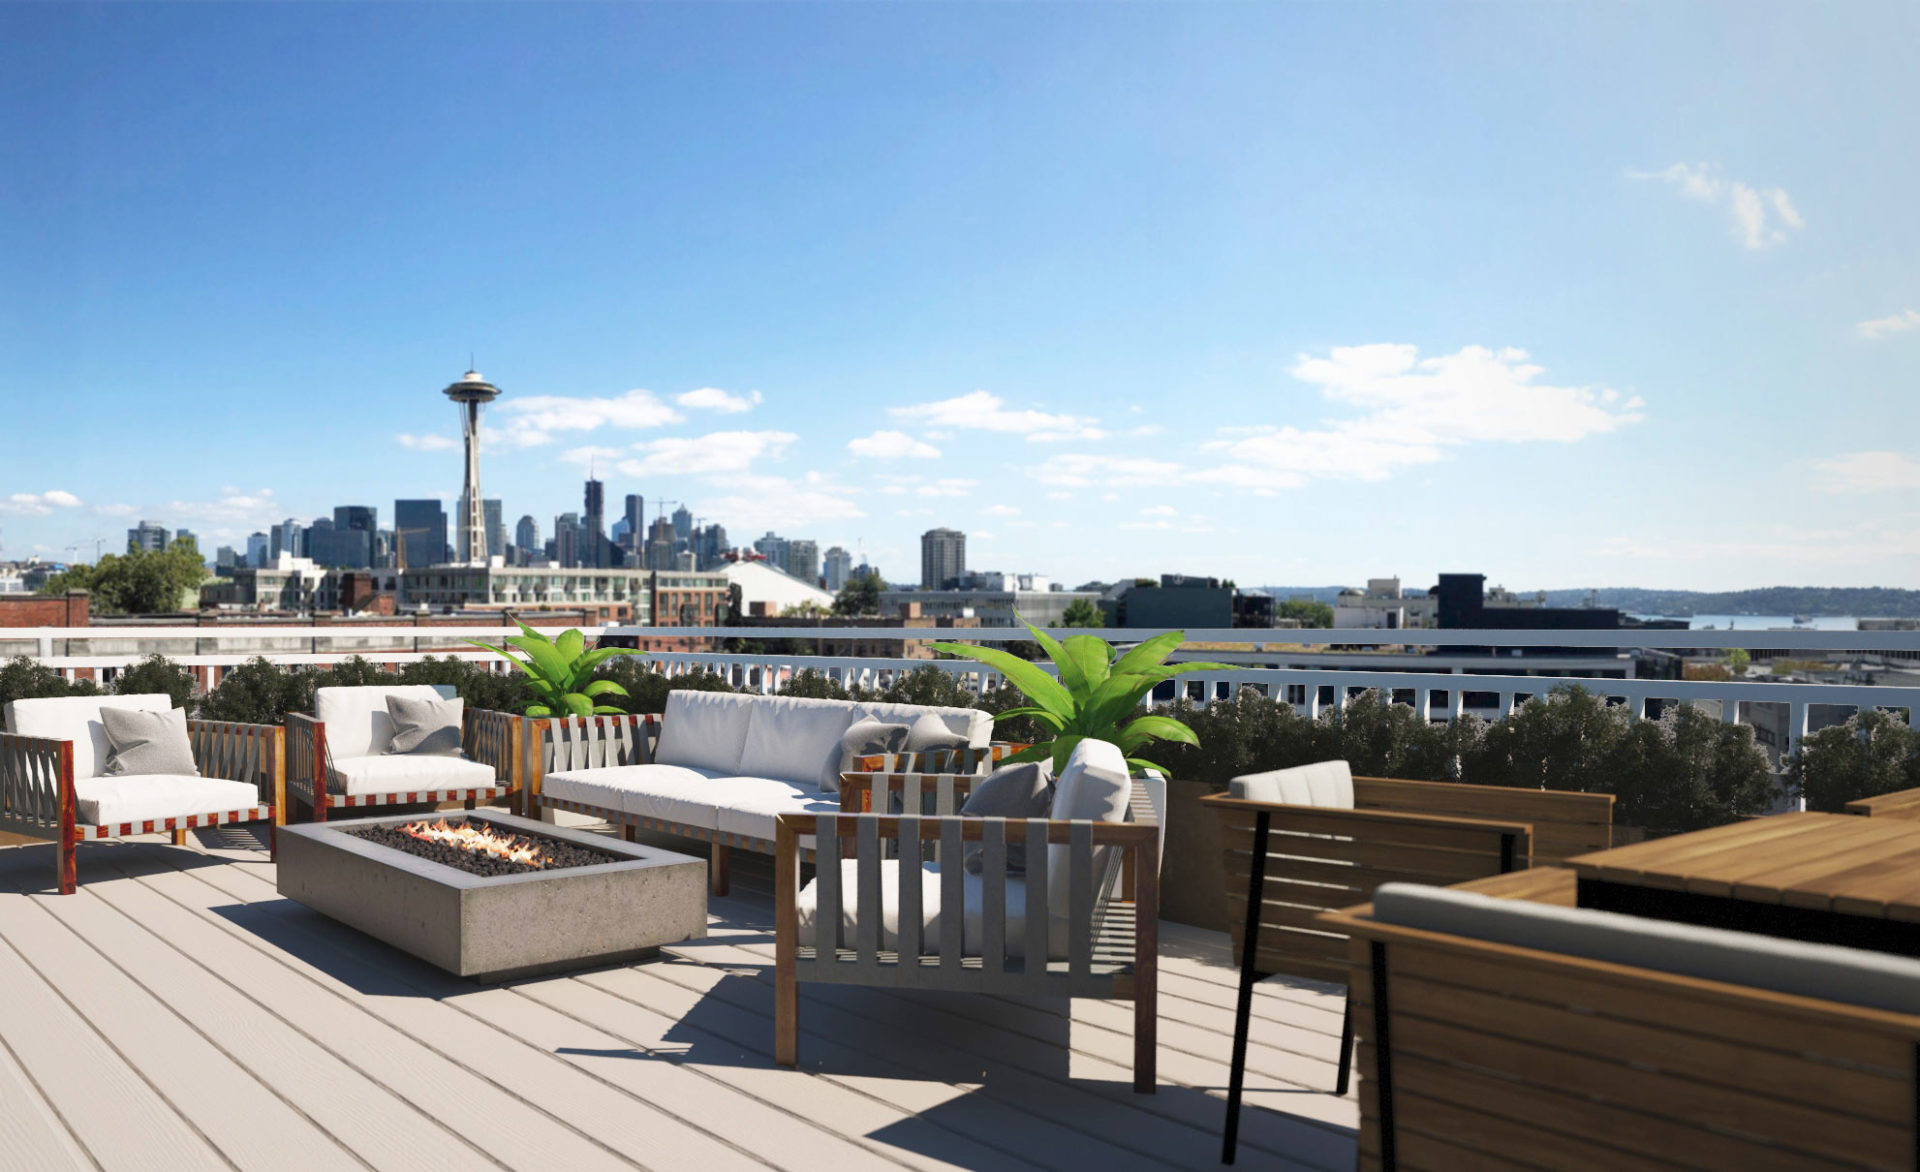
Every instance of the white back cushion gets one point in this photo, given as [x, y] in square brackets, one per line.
[971, 723]
[77, 719]
[1324, 783]
[1094, 785]
[790, 738]
[705, 730]
[356, 718]
[1827, 971]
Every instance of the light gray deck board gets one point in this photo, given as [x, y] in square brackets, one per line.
[662, 1065]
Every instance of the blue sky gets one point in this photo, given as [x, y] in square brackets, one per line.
[1568, 294]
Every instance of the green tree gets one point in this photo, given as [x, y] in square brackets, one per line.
[1738, 661]
[137, 582]
[1873, 753]
[860, 596]
[1082, 613]
[154, 674]
[1310, 613]
[27, 679]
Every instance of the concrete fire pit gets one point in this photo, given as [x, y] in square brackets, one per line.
[499, 927]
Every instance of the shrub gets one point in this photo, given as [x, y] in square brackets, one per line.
[157, 673]
[476, 685]
[812, 684]
[647, 689]
[1688, 771]
[1872, 753]
[259, 692]
[27, 679]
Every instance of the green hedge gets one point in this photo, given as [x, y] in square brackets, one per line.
[1873, 753]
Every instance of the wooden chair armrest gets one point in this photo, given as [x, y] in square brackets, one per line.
[860, 792]
[1903, 803]
[1337, 820]
[36, 783]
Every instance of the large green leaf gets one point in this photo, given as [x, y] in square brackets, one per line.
[603, 688]
[1092, 657]
[1112, 700]
[1040, 714]
[571, 643]
[1141, 729]
[504, 654]
[1151, 653]
[1031, 679]
[547, 661]
[1071, 677]
[577, 704]
[608, 710]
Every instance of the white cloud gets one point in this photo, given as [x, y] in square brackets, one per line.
[1001, 511]
[983, 411]
[41, 504]
[1868, 472]
[751, 502]
[534, 420]
[592, 455]
[1762, 216]
[1159, 511]
[1896, 323]
[922, 486]
[114, 510]
[236, 512]
[1415, 410]
[892, 445]
[1162, 524]
[913, 512]
[1080, 469]
[715, 399]
[716, 453]
[429, 443]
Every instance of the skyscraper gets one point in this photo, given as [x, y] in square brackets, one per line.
[682, 526]
[839, 568]
[566, 539]
[470, 394]
[773, 547]
[147, 535]
[419, 533]
[257, 549]
[526, 538]
[660, 546]
[636, 522]
[593, 550]
[943, 557]
[354, 527]
[290, 537]
[187, 536]
[803, 560]
[710, 546]
[496, 528]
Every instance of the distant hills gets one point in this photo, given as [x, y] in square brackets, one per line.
[1860, 601]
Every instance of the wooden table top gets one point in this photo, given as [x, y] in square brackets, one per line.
[1821, 862]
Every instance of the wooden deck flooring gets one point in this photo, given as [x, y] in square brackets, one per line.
[177, 1014]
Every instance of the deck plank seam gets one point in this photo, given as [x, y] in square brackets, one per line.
[53, 1108]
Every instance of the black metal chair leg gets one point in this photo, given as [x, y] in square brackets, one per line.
[1346, 1046]
[1249, 977]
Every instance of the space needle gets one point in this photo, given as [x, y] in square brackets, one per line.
[468, 394]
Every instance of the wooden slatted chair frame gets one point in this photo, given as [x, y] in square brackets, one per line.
[1113, 917]
[492, 738]
[555, 745]
[37, 797]
[1478, 1054]
[1287, 864]
[1899, 804]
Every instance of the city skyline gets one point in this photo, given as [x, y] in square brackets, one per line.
[1628, 300]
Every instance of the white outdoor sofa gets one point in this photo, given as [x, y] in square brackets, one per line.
[719, 767]
[1082, 919]
[347, 738]
[52, 781]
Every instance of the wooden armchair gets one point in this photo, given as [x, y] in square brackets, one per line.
[1087, 906]
[51, 785]
[338, 757]
[1303, 841]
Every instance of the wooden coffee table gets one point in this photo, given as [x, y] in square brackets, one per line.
[1823, 878]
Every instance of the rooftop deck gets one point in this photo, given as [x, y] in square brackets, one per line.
[176, 1014]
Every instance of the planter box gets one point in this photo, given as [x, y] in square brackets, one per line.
[492, 928]
[1193, 869]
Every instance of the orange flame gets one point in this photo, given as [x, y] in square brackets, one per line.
[481, 840]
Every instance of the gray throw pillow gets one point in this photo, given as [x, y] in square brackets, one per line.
[425, 728]
[931, 732]
[1011, 791]
[867, 737]
[147, 743]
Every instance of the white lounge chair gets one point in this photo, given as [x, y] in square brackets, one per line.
[347, 741]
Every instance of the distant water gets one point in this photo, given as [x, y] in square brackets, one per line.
[1765, 622]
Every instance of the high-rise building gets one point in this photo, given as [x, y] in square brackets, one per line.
[803, 560]
[526, 538]
[321, 545]
[710, 546]
[593, 551]
[773, 547]
[682, 526]
[470, 394]
[660, 551]
[354, 529]
[496, 528]
[187, 536]
[636, 522]
[223, 560]
[839, 568]
[419, 533]
[288, 537]
[943, 557]
[257, 549]
[568, 534]
[147, 535]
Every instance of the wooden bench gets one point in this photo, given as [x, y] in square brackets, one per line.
[1303, 860]
[1490, 1055]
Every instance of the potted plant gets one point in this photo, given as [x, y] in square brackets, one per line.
[560, 671]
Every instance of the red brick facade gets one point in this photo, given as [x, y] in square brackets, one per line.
[44, 610]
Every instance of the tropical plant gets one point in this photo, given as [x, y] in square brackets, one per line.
[1097, 688]
[560, 671]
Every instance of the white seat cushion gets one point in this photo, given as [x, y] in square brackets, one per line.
[394, 773]
[704, 730]
[749, 805]
[795, 739]
[668, 793]
[973, 924]
[975, 725]
[356, 718]
[150, 797]
[1829, 972]
[77, 719]
[1325, 783]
